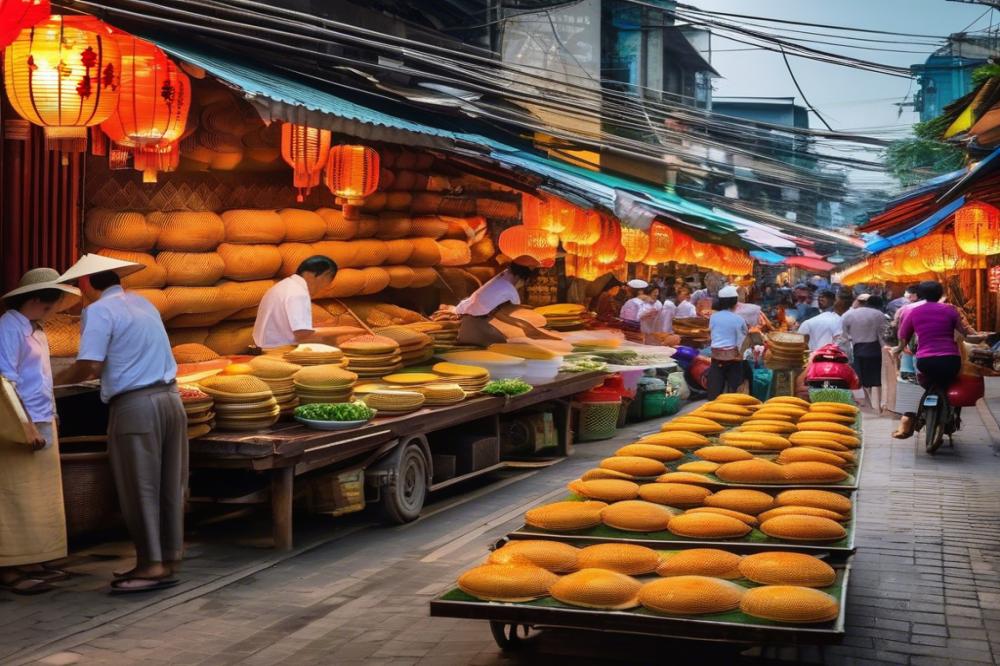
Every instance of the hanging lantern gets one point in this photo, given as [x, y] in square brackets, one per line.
[913, 264]
[153, 104]
[526, 241]
[617, 262]
[531, 211]
[16, 15]
[890, 263]
[661, 240]
[939, 252]
[306, 149]
[636, 244]
[610, 240]
[557, 215]
[352, 173]
[585, 229]
[977, 228]
[62, 74]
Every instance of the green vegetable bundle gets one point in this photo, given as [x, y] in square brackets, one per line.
[507, 387]
[339, 411]
[831, 395]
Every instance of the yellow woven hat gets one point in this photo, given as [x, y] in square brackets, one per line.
[191, 269]
[690, 595]
[607, 490]
[812, 472]
[652, 451]
[677, 439]
[822, 499]
[782, 568]
[565, 516]
[757, 470]
[708, 526]
[302, 226]
[398, 252]
[803, 528]
[119, 230]
[244, 387]
[507, 582]
[459, 370]
[394, 401]
[674, 494]
[372, 345]
[744, 501]
[786, 603]
[685, 477]
[698, 467]
[601, 473]
[738, 515]
[253, 226]
[269, 368]
[793, 510]
[152, 276]
[597, 588]
[329, 375]
[187, 231]
[63, 333]
[337, 228]
[637, 516]
[634, 465]
[624, 558]
[555, 556]
[192, 353]
[700, 562]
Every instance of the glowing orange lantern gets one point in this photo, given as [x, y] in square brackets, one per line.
[62, 74]
[306, 149]
[526, 241]
[661, 240]
[154, 99]
[912, 264]
[610, 240]
[636, 244]
[352, 172]
[16, 15]
[939, 252]
[585, 229]
[977, 228]
[557, 215]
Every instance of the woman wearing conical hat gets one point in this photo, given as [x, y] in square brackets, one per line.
[32, 518]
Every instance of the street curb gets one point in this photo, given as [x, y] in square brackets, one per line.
[992, 426]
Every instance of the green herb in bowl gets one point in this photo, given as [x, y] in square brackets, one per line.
[338, 411]
[507, 387]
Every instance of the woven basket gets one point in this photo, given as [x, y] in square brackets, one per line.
[425, 253]
[244, 314]
[193, 300]
[253, 226]
[220, 142]
[183, 336]
[348, 282]
[393, 225]
[404, 180]
[193, 352]
[398, 201]
[341, 252]
[369, 252]
[222, 116]
[63, 334]
[400, 277]
[454, 253]
[424, 277]
[240, 295]
[482, 251]
[89, 497]
[367, 226]
[151, 277]
[428, 226]
[191, 269]
[249, 262]
[230, 338]
[398, 251]
[293, 254]
[200, 320]
[119, 230]
[158, 298]
[376, 279]
[375, 202]
[183, 231]
[481, 273]
[302, 226]
[493, 208]
[227, 161]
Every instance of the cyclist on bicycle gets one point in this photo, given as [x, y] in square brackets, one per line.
[938, 358]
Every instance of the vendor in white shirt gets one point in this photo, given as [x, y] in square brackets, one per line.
[826, 327]
[497, 298]
[285, 313]
[630, 311]
[685, 308]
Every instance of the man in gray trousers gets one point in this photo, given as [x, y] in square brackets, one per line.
[123, 342]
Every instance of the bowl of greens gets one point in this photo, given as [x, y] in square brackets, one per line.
[506, 387]
[334, 415]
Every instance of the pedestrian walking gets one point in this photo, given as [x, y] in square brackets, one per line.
[824, 328]
[123, 342]
[728, 331]
[864, 329]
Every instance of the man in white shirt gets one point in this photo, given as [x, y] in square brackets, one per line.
[497, 299]
[825, 328]
[285, 313]
[685, 308]
[630, 311]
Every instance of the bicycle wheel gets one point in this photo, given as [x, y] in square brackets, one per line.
[934, 428]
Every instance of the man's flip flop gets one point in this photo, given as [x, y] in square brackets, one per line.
[37, 586]
[120, 586]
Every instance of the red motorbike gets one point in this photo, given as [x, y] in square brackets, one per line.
[940, 411]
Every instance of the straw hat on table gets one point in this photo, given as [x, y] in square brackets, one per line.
[39, 279]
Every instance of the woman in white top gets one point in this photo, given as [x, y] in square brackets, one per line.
[497, 298]
[32, 518]
[648, 312]
[685, 308]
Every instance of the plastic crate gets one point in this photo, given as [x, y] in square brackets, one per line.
[671, 405]
[598, 420]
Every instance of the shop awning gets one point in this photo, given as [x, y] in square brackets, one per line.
[809, 264]
[876, 243]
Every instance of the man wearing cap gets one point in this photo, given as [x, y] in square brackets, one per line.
[496, 299]
[728, 331]
[630, 311]
[825, 328]
[32, 518]
[123, 342]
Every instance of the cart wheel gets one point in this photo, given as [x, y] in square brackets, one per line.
[509, 637]
[404, 498]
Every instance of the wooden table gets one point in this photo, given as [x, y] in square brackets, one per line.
[290, 449]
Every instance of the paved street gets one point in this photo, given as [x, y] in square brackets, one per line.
[925, 588]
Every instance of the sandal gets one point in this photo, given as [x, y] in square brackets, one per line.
[121, 586]
[46, 573]
[26, 586]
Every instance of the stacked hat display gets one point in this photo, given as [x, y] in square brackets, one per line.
[471, 378]
[785, 350]
[372, 355]
[198, 407]
[315, 354]
[324, 383]
[563, 316]
[414, 347]
[411, 379]
[278, 374]
[242, 402]
[446, 337]
[500, 366]
[693, 331]
[390, 402]
[440, 394]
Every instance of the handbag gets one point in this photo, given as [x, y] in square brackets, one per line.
[13, 417]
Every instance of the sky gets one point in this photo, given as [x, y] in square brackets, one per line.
[849, 99]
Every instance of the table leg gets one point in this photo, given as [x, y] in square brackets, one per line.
[282, 480]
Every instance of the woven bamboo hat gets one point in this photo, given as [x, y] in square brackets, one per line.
[89, 264]
[38, 279]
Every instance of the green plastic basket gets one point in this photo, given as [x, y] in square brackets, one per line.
[671, 405]
[598, 420]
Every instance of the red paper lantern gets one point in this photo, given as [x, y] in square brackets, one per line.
[154, 100]
[16, 15]
[521, 241]
[352, 172]
[977, 228]
[306, 149]
[610, 241]
[661, 241]
[63, 74]
[585, 229]
[939, 252]
[636, 244]
[557, 215]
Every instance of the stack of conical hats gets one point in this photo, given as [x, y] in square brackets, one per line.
[390, 402]
[414, 347]
[198, 407]
[446, 337]
[242, 402]
[315, 354]
[442, 394]
[277, 374]
[324, 383]
[372, 355]
[786, 350]
[471, 378]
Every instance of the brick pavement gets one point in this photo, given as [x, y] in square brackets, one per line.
[925, 587]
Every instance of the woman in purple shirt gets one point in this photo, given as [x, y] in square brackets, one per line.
[938, 358]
